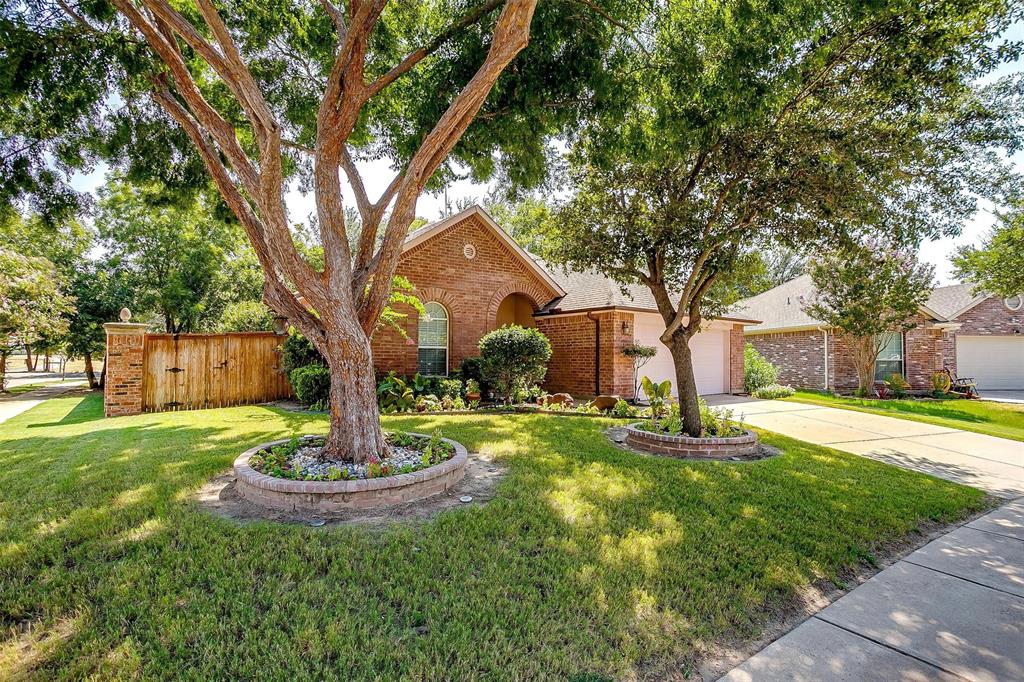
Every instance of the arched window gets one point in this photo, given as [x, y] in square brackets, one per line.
[433, 340]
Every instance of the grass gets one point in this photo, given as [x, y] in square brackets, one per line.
[591, 562]
[1005, 420]
[23, 388]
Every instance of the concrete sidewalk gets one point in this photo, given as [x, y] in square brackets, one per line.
[15, 405]
[952, 610]
[993, 464]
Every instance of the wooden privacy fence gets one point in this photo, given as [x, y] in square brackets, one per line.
[195, 371]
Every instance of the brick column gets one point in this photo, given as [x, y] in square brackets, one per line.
[122, 393]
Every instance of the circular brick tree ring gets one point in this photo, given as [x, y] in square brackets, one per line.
[333, 496]
[688, 447]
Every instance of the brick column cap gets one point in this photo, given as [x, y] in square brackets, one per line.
[126, 327]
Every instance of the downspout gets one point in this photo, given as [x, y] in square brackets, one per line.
[824, 332]
[597, 352]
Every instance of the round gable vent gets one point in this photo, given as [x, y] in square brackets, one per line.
[469, 251]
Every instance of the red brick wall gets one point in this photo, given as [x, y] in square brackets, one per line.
[122, 388]
[800, 356]
[571, 369]
[471, 290]
[991, 317]
[736, 343]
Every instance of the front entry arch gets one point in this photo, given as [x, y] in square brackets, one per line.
[515, 309]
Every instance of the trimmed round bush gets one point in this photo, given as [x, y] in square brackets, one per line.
[757, 371]
[513, 356]
[774, 391]
[312, 384]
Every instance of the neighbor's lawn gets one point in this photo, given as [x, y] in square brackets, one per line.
[1005, 420]
[590, 560]
[23, 388]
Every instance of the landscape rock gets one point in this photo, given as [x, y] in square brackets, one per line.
[605, 402]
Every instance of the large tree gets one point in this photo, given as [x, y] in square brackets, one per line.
[267, 89]
[865, 293]
[798, 125]
[997, 266]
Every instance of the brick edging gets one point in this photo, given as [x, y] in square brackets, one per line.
[326, 496]
[690, 447]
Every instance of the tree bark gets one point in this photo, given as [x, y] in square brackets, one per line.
[29, 364]
[686, 384]
[355, 420]
[3, 372]
[90, 373]
[865, 354]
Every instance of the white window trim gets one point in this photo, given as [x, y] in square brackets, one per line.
[447, 338]
[1020, 302]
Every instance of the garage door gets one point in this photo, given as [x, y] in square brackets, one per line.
[995, 362]
[707, 348]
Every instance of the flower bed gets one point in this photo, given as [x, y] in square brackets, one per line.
[305, 485]
[744, 445]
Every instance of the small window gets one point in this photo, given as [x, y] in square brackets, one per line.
[1014, 303]
[890, 358]
[433, 341]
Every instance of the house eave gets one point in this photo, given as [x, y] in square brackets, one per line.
[557, 312]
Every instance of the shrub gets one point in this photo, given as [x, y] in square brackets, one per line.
[297, 352]
[623, 409]
[897, 385]
[394, 394]
[472, 370]
[449, 388]
[657, 394]
[246, 316]
[514, 354]
[757, 371]
[312, 384]
[774, 391]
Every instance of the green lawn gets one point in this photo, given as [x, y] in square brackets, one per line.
[591, 560]
[23, 388]
[1005, 420]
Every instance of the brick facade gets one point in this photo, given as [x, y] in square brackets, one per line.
[122, 393]
[573, 355]
[991, 318]
[736, 358]
[800, 356]
[470, 290]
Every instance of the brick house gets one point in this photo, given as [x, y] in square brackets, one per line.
[473, 278]
[974, 336]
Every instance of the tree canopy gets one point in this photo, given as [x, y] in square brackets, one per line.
[997, 267]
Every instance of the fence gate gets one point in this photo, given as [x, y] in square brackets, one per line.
[195, 371]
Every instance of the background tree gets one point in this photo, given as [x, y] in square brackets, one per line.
[798, 125]
[998, 266]
[268, 91]
[865, 293]
[31, 303]
[100, 293]
[528, 221]
[184, 263]
[769, 268]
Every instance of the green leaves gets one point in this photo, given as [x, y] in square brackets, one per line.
[998, 265]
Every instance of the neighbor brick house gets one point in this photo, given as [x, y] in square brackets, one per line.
[473, 278]
[975, 336]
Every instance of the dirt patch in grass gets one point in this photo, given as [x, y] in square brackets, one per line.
[483, 474]
[721, 657]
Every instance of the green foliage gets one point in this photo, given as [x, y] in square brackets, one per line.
[657, 394]
[514, 355]
[297, 351]
[623, 409]
[757, 371]
[449, 388]
[401, 295]
[472, 370]
[773, 391]
[246, 316]
[866, 292]
[529, 222]
[394, 395]
[312, 384]
[997, 267]
[897, 385]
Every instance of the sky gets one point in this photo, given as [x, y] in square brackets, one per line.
[377, 175]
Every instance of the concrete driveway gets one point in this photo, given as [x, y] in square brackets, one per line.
[993, 464]
[1003, 396]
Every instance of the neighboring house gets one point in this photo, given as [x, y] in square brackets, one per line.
[974, 336]
[473, 278]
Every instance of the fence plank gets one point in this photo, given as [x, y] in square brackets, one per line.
[196, 371]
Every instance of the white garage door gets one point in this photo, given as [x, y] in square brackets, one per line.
[995, 362]
[707, 348]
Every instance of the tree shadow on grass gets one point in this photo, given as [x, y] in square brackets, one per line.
[591, 558]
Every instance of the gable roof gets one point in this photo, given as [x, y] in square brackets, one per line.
[577, 291]
[427, 231]
[781, 310]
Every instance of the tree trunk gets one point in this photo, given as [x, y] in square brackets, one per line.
[355, 421]
[865, 354]
[3, 372]
[29, 365]
[686, 384]
[90, 374]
